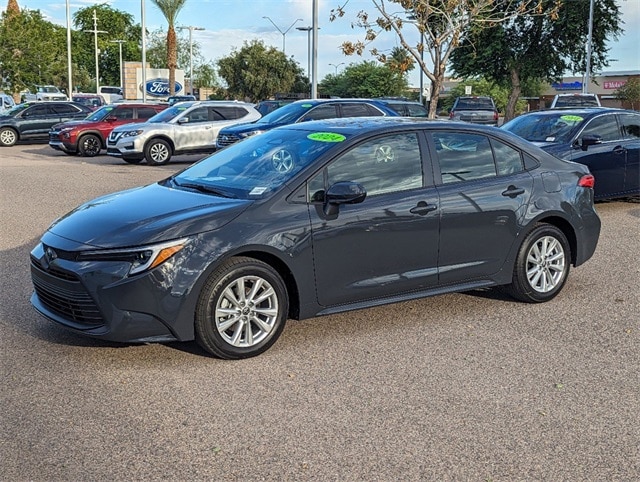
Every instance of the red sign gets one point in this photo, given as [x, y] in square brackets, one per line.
[614, 84]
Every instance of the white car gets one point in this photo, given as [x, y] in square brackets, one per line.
[45, 93]
[6, 103]
[184, 128]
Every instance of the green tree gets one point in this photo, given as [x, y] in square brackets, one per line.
[32, 51]
[538, 47]
[630, 92]
[257, 72]
[442, 25]
[117, 25]
[365, 79]
[170, 10]
[157, 50]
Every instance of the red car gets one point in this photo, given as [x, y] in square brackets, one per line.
[88, 136]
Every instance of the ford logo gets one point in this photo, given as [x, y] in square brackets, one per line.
[160, 87]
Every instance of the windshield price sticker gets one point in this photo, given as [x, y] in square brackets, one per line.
[572, 118]
[326, 137]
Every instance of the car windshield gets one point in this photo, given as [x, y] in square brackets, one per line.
[287, 114]
[101, 113]
[475, 103]
[14, 111]
[558, 127]
[257, 166]
[170, 113]
[88, 101]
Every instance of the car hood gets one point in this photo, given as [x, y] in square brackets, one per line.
[142, 216]
[248, 127]
[140, 125]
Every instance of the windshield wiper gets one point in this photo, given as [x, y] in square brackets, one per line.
[205, 189]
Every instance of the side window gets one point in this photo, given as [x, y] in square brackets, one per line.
[146, 112]
[630, 126]
[228, 112]
[38, 110]
[386, 164]
[201, 114]
[123, 113]
[463, 157]
[508, 159]
[359, 110]
[324, 111]
[64, 109]
[604, 126]
[417, 111]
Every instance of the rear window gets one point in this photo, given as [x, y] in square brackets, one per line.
[577, 101]
[474, 103]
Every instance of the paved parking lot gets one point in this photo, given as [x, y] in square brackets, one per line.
[468, 386]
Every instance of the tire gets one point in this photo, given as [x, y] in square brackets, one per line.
[157, 152]
[8, 137]
[228, 324]
[89, 145]
[542, 265]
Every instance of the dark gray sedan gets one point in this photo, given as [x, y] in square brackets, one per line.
[316, 218]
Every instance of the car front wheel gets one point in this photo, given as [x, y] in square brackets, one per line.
[8, 137]
[242, 309]
[542, 265]
[157, 152]
[89, 145]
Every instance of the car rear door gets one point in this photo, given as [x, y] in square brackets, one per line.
[630, 124]
[484, 191]
[386, 245]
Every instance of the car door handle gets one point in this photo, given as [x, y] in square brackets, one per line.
[513, 191]
[423, 208]
[619, 150]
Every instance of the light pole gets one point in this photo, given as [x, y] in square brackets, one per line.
[95, 33]
[336, 66]
[308, 30]
[285, 32]
[69, 71]
[191, 28]
[144, 52]
[120, 42]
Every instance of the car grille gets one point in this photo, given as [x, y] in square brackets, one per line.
[62, 293]
[113, 137]
[54, 135]
[225, 140]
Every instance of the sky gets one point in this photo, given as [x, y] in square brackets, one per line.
[229, 23]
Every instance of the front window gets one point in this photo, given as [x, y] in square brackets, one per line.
[605, 127]
[14, 111]
[255, 167]
[557, 127]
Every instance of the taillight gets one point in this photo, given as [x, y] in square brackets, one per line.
[451, 115]
[587, 181]
[495, 116]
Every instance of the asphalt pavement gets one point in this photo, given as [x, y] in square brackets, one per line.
[463, 387]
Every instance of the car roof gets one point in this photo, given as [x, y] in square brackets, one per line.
[583, 111]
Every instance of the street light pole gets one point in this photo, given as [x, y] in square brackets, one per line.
[314, 62]
[336, 66]
[308, 30]
[95, 33]
[285, 32]
[191, 28]
[120, 42]
[144, 52]
[69, 70]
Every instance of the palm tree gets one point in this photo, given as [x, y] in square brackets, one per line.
[170, 10]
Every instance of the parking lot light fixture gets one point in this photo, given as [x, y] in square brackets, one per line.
[284, 34]
[191, 28]
[336, 66]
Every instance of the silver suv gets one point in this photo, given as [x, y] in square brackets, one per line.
[184, 128]
[475, 109]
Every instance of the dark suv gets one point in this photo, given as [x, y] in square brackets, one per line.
[88, 136]
[32, 120]
[475, 109]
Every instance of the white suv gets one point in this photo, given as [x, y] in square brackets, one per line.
[184, 128]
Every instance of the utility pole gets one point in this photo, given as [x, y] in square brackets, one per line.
[120, 42]
[191, 28]
[95, 33]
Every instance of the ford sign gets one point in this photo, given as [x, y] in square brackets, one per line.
[160, 87]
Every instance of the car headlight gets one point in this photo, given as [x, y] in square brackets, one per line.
[244, 135]
[137, 132]
[143, 258]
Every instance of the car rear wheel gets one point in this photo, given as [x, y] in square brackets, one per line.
[89, 145]
[242, 309]
[157, 152]
[8, 136]
[542, 265]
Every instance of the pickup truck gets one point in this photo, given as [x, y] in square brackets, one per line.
[45, 93]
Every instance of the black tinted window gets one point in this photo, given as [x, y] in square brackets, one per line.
[123, 113]
[630, 124]
[463, 157]
[359, 110]
[228, 112]
[604, 126]
[474, 103]
[65, 109]
[38, 110]
[508, 159]
[201, 114]
[146, 112]
[325, 111]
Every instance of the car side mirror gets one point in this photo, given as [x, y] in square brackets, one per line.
[183, 120]
[345, 192]
[111, 118]
[589, 140]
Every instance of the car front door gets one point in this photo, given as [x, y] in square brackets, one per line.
[484, 191]
[607, 158]
[194, 130]
[630, 123]
[36, 121]
[387, 244]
